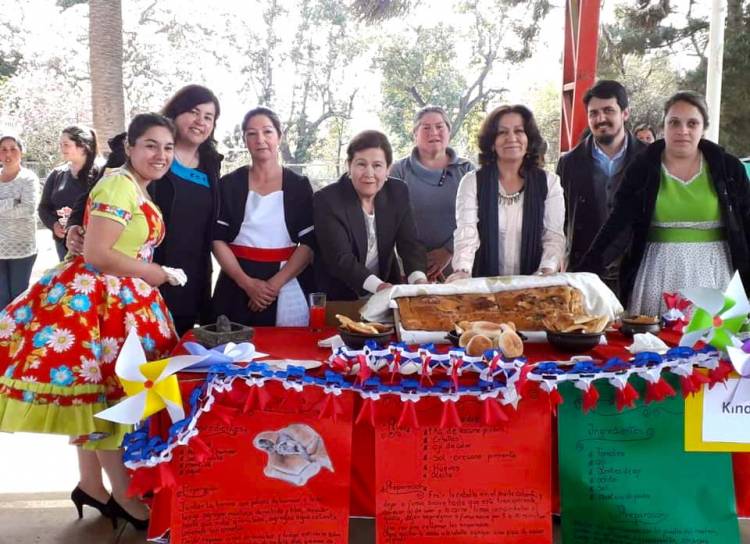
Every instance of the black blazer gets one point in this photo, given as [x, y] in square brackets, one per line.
[342, 237]
[583, 215]
[634, 208]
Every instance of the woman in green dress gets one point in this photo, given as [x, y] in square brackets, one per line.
[681, 215]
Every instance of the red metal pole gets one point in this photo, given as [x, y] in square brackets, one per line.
[579, 66]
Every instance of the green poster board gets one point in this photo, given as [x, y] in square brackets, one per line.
[625, 477]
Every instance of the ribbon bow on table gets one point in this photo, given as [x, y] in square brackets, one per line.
[717, 317]
[229, 353]
[149, 386]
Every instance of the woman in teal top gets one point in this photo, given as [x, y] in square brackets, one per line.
[681, 216]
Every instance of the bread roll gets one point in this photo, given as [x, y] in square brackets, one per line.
[511, 344]
[478, 345]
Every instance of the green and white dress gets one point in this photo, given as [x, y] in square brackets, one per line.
[687, 243]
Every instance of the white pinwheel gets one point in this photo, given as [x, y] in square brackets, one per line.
[717, 316]
[741, 363]
[150, 386]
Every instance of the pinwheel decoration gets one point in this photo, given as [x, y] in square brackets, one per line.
[741, 363]
[149, 386]
[717, 316]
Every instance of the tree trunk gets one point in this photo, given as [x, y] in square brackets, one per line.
[105, 64]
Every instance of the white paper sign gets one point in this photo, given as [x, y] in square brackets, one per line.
[724, 419]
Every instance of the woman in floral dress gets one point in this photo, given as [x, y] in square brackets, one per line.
[59, 342]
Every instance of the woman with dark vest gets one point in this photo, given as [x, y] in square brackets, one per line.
[510, 212]
[360, 222]
[263, 237]
[188, 198]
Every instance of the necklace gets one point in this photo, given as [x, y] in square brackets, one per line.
[508, 199]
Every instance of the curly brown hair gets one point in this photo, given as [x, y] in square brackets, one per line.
[536, 149]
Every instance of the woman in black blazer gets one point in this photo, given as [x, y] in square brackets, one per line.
[263, 238]
[361, 220]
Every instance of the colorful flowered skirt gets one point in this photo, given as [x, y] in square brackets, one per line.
[58, 346]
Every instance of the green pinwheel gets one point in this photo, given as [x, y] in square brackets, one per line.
[717, 316]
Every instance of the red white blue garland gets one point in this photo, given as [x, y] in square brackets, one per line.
[374, 373]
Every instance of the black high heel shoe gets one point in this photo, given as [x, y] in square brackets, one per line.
[80, 498]
[117, 511]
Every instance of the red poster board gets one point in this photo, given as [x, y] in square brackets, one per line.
[475, 483]
[280, 475]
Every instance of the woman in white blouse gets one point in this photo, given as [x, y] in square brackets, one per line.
[510, 212]
[18, 199]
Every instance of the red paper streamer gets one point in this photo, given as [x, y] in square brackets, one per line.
[340, 364]
[293, 400]
[524, 385]
[492, 413]
[590, 398]
[166, 477]
[555, 399]
[364, 370]
[408, 418]
[256, 399]
[719, 374]
[658, 391]
[331, 407]
[692, 383]
[450, 417]
[455, 366]
[625, 397]
[366, 413]
[142, 480]
[396, 367]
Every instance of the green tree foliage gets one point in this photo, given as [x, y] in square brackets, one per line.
[324, 46]
[430, 64]
[375, 11]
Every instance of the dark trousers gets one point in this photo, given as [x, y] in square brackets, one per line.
[14, 277]
[62, 250]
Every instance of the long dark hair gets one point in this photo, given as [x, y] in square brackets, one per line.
[535, 149]
[85, 138]
[185, 100]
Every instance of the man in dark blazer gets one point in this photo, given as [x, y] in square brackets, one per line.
[341, 232]
[591, 173]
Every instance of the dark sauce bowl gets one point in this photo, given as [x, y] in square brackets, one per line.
[574, 342]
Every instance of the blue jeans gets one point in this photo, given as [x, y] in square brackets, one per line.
[14, 277]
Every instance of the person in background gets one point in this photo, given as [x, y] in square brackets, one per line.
[188, 198]
[432, 172]
[685, 204]
[510, 212]
[360, 222]
[18, 199]
[61, 338]
[69, 182]
[592, 171]
[645, 134]
[264, 238]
